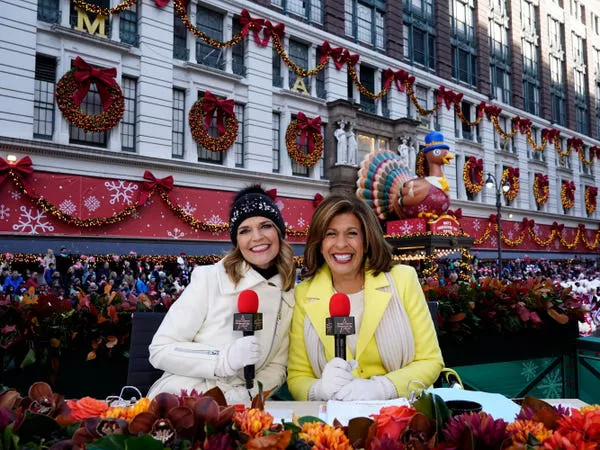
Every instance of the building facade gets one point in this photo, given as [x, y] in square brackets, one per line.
[538, 60]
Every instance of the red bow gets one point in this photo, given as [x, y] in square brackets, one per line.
[317, 200]
[476, 167]
[556, 227]
[351, 60]
[457, 214]
[272, 193]
[161, 3]
[210, 104]
[255, 24]
[569, 189]
[104, 79]
[165, 184]
[337, 54]
[480, 109]
[448, 97]
[541, 179]
[550, 134]
[492, 111]
[522, 124]
[22, 168]
[400, 77]
[528, 223]
[575, 142]
[272, 30]
[514, 172]
[307, 128]
[493, 218]
[594, 149]
[593, 190]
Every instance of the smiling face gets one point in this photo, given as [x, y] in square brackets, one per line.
[258, 240]
[343, 246]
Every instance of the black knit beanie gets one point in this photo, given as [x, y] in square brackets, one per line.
[253, 201]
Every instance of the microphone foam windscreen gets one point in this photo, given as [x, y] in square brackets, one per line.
[339, 305]
[248, 302]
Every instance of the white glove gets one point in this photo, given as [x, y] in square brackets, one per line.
[243, 352]
[237, 395]
[376, 388]
[336, 374]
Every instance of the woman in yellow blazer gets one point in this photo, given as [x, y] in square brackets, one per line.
[395, 348]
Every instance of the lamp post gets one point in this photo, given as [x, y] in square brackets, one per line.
[492, 183]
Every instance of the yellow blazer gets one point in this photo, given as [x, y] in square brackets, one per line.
[312, 300]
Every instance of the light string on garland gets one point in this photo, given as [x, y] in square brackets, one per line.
[473, 175]
[567, 194]
[541, 188]
[309, 131]
[124, 5]
[591, 193]
[511, 175]
[200, 119]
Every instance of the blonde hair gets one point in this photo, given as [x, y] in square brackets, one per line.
[234, 264]
[377, 249]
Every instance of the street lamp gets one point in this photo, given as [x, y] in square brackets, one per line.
[492, 183]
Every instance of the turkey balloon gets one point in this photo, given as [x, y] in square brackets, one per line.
[392, 190]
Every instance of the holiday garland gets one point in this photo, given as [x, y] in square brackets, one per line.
[308, 130]
[541, 189]
[591, 193]
[70, 93]
[473, 175]
[567, 194]
[511, 176]
[201, 116]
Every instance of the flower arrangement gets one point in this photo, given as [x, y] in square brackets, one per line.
[204, 421]
[473, 175]
[511, 175]
[541, 188]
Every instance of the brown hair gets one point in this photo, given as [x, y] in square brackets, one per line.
[377, 249]
[234, 263]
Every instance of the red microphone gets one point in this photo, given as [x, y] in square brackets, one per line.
[248, 320]
[340, 324]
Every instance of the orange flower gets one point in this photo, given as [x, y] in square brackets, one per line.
[127, 412]
[86, 407]
[568, 441]
[253, 421]
[586, 424]
[392, 420]
[324, 437]
[522, 428]
[587, 408]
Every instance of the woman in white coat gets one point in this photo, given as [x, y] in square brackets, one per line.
[196, 345]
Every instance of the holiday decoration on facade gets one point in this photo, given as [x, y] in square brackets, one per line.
[303, 130]
[124, 5]
[473, 175]
[510, 176]
[202, 115]
[73, 87]
[591, 193]
[541, 188]
[567, 194]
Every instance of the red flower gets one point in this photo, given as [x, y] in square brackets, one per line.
[392, 420]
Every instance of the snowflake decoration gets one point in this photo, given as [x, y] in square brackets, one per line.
[422, 208]
[420, 227]
[406, 228]
[476, 225]
[279, 204]
[68, 207]
[214, 219]
[493, 241]
[135, 215]
[516, 226]
[31, 222]
[557, 244]
[4, 212]
[536, 229]
[176, 233]
[121, 191]
[188, 208]
[301, 222]
[551, 385]
[91, 203]
[15, 195]
[529, 370]
[510, 234]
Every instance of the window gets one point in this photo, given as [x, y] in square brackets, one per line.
[532, 153]
[385, 106]
[463, 129]
[557, 89]
[91, 105]
[312, 10]
[48, 11]
[367, 79]
[364, 20]
[422, 94]
[531, 80]
[555, 34]
[584, 168]
[298, 169]
[128, 128]
[320, 77]
[211, 23]
[463, 42]
[578, 49]
[277, 78]
[500, 143]
[499, 53]
[419, 33]
[299, 54]
[529, 17]
[237, 52]
[180, 49]
[128, 26]
[239, 140]
[276, 142]
[178, 124]
[597, 106]
[581, 104]
[595, 23]
[564, 161]
[43, 97]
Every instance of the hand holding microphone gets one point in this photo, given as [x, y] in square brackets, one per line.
[243, 352]
[248, 320]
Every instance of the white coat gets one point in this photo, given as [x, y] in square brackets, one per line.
[199, 325]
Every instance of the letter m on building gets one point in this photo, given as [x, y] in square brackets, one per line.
[98, 26]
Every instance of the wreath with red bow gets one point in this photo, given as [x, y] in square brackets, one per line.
[541, 188]
[591, 193]
[200, 119]
[309, 131]
[567, 194]
[511, 175]
[473, 175]
[73, 87]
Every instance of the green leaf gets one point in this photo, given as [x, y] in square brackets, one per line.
[36, 427]
[111, 442]
[10, 440]
[145, 442]
[307, 419]
[29, 359]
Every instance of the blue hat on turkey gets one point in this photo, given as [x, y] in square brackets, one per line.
[434, 140]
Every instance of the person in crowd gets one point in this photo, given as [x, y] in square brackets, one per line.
[195, 344]
[141, 285]
[103, 270]
[49, 258]
[395, 349]
[48, 274]
[63, 264]
[32, 281]
[12, 283]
